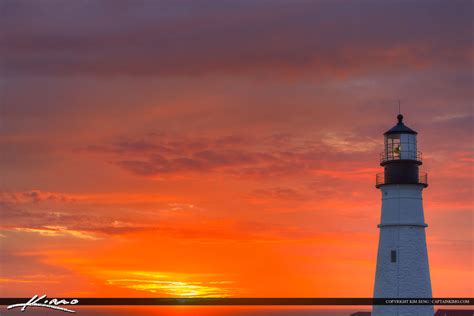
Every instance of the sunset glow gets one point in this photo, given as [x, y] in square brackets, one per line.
[225, 149]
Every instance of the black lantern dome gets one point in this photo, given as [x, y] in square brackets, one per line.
[400, 128]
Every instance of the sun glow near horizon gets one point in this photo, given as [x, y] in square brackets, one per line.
[172, 284]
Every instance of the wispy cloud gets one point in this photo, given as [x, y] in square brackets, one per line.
[173, 284]
[266, 156]
[58, 231]
[183, 39]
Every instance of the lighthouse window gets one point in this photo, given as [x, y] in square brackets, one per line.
[393, 255]
[393, 147]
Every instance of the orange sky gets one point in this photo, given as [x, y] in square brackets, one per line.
[223, 149]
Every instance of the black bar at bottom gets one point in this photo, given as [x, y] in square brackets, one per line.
[253, 301]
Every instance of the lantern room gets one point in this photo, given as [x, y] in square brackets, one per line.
[400, 144]
[400, 158]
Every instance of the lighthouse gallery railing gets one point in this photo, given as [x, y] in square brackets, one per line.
[406, 155]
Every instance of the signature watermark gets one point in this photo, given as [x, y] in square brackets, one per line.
[43, 301]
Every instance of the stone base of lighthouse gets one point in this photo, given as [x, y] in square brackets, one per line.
[402, 260]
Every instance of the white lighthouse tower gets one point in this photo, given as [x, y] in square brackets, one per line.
[402, 259]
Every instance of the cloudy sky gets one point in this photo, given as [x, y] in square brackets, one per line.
[226, 148]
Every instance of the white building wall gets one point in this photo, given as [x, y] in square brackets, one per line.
[402, 229]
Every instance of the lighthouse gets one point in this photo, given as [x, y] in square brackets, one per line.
[402, 260]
